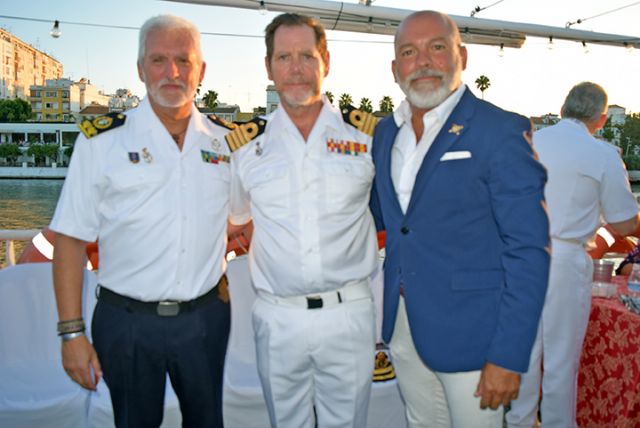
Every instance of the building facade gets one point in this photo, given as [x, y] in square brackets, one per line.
[61, 100]
[22, 66]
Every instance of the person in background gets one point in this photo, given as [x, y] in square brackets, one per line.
[153, 185]
[587, 183]
[304, 174]
[460, 194]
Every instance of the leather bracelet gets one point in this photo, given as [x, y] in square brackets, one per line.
[70, 336]
[71, 326]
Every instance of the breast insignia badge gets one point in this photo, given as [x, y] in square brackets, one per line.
[146, 155]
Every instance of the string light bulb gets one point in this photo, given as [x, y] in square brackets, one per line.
[501, 51]
[550, 45]
[585, 48]
[628, 46]
[55, 30]
[370, 25]
[263, 8]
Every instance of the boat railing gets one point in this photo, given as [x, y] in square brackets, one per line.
[8, 238]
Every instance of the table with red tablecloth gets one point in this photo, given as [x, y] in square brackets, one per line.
[609, 378]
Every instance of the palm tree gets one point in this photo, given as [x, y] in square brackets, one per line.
[483, 84]
[365, 105]
[329, 96]
[386, 104]
[345, 100]
[210, 99]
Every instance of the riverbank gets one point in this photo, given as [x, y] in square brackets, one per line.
[30, 172]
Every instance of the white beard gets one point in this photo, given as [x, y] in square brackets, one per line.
[428, 98]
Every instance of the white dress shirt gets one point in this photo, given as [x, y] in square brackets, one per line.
[159, 213]
[407, 154]
[309, 203]
[587, 181]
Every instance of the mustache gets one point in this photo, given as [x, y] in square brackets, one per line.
[424, 73]
[171, 82]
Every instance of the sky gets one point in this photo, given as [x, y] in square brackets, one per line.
[533, 80]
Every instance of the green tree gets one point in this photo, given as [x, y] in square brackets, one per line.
[10, 151]
[607, 130]
[330, 96]
[210, 99]
[483, 84]
[17, 110]
[345, 100]
[365, 105]
[386, 104]
[42, 151]
[630, 133]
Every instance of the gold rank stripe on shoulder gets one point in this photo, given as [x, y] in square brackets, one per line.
[245, 132]
[222, 122]
[91, 128]
[362, 121]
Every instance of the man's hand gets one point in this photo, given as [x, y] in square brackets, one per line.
[497, 386]
[80, 361]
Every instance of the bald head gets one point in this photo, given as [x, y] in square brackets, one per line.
[430, 16]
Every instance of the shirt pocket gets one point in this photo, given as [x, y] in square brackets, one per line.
[348, 182]
[269, 188]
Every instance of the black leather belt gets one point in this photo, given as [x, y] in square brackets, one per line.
[165, 308]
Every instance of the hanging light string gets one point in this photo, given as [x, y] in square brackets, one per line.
[479, 9]
[580, 21]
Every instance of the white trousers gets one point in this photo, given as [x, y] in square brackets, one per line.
[558, 344]
[436, 399]
[315, 357]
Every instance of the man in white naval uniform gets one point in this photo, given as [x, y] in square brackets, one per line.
[587, 183]
[305, 179]
[152, 185]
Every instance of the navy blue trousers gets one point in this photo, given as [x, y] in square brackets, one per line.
[136, 351]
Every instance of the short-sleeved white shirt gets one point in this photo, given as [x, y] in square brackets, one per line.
[309, 202]
[160, 214]
[587, 181]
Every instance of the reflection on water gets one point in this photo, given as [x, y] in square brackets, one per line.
[27, 204]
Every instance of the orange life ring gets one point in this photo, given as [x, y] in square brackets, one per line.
[40, 250]
[608, 240]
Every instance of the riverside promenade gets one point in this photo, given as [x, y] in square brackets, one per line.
[32, 172]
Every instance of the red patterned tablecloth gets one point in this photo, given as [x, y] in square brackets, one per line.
[609, 378]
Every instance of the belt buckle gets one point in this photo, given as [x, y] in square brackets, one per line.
[314, 302]
[168, 308]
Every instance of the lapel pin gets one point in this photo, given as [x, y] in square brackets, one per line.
[134, 157]
[455, 129]
[215, 144]
[258, 149]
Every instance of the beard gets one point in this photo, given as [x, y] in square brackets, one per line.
[298, 98]
[173, 100]
[427, 95]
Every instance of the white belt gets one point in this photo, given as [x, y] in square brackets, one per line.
[354, 291]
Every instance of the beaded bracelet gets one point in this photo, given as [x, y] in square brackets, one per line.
[70, 336]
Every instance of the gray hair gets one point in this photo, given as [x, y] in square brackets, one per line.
[586, 102]
[167, 22]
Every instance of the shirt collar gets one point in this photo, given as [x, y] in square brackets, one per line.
[442, 111]
[329, 116]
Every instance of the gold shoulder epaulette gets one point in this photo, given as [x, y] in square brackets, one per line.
[245, 132]
[91, 128]
[220, 121]
[362, 121]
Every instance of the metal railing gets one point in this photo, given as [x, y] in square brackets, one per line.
[8, 237]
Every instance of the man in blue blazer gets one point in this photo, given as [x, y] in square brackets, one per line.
[461, 195]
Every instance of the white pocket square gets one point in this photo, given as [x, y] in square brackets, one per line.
[463, 154]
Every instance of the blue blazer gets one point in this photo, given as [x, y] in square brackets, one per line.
[472, 251]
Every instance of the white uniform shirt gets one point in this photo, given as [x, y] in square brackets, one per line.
[310, 205]
[160, 220]
[406, 154]
[587, 181]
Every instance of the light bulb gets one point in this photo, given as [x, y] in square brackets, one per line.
[550, 45]
[501, 51]
[55, 31]
[370, 25]
[585, 48]
[263, 8]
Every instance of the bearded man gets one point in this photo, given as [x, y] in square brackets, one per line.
[461, 195]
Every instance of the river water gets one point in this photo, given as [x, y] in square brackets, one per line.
[26, 204]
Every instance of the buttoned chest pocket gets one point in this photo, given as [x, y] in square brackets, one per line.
[348, 183]
[270, 190]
